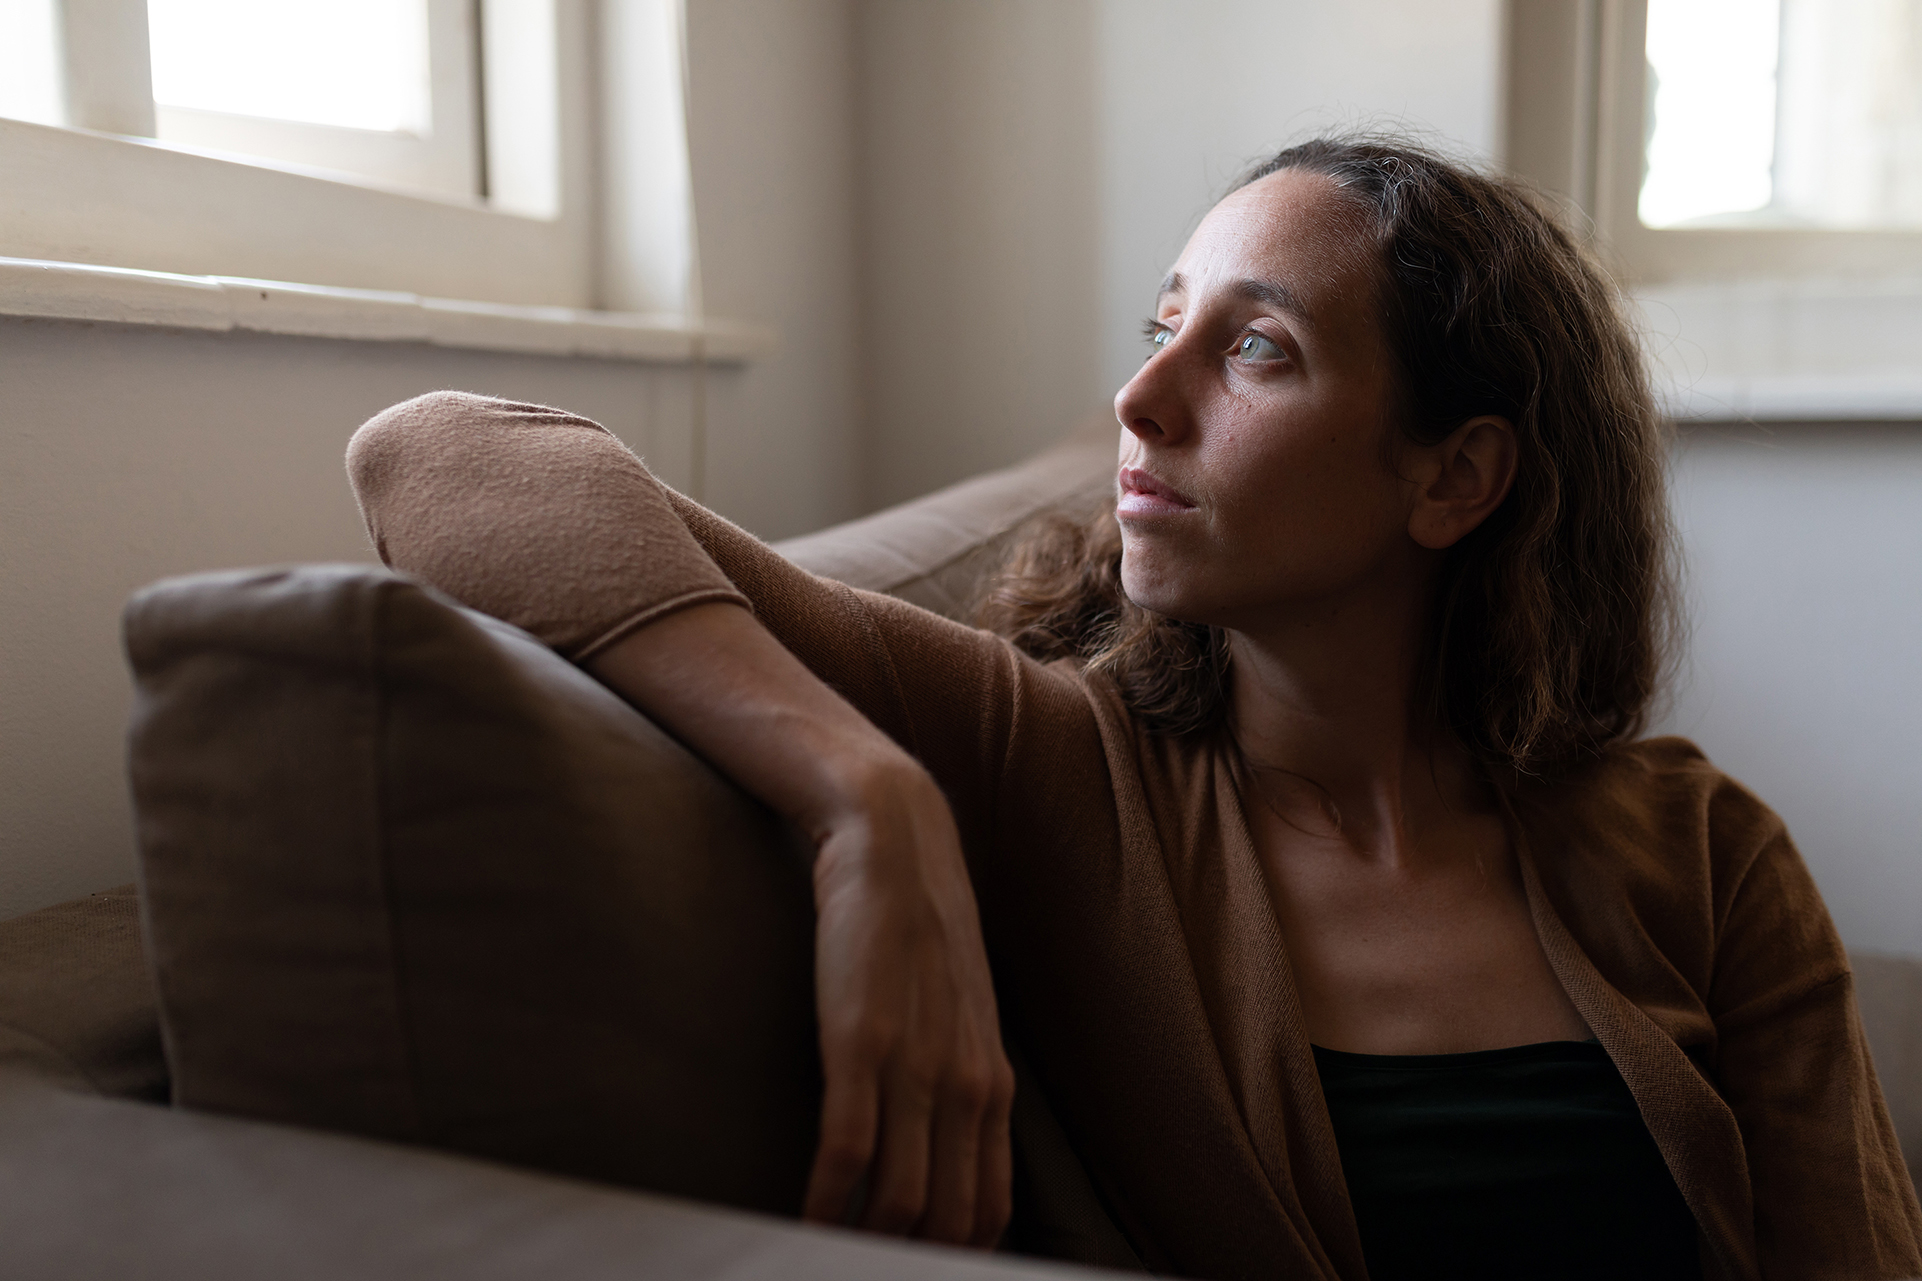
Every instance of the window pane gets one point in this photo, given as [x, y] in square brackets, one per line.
[1784, 113]
[29, 62]
[361, 64]
[1711, 107]
[1849, 141]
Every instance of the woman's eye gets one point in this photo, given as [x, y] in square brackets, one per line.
[1254, 347]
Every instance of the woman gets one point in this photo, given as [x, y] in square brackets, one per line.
[1344, 924]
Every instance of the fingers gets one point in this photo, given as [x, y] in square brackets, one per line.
[850, 1121]
[898, 1186]
[954, 1170]
[994, 1197]
[934, 1149]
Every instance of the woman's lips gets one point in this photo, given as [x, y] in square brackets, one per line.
[1144, 494]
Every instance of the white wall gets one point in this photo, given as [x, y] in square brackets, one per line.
[772, 138]
[1804, 675]
[979, 233]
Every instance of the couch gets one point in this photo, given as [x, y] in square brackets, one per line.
[391, 1073]
[184, 1091]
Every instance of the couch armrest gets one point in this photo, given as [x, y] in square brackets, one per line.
[935, 551]
[93, 1187]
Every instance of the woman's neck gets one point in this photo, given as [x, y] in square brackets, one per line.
[1327, 710]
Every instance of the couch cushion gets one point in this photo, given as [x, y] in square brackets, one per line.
[76, 1005]
[410, 874]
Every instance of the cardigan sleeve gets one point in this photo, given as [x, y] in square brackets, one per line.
[530, 514]
[544, 519]
[1832, 1195]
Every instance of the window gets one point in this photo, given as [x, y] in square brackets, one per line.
[1710, 107]
[1783, 113]
[427, 146]
[379, 89]
[1716, 139]
[30, 62]
[1754, 169]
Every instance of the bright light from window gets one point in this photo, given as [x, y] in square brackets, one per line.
[360, 64]
[1784, 113]
[29, 62]
[1711, 66]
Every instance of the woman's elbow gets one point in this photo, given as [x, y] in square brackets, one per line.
[403, 440]
[416, 456]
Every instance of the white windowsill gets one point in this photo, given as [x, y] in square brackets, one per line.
[1856, 397]
[1798, 350]
[118, 295]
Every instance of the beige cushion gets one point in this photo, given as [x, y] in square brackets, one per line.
[410, 874]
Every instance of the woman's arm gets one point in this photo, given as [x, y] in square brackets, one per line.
[918, 1089]
[837, 719]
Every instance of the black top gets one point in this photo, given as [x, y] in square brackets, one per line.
[1504, 1164]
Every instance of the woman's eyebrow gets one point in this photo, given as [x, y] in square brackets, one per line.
[1272, 292]
[1276, 295]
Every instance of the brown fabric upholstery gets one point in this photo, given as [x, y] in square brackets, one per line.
[76, 1005]
[95, 1187]
[412, 875]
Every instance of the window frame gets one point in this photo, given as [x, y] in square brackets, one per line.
[448, 160]
[1574, 108]
[1740, 324]
[99, 193]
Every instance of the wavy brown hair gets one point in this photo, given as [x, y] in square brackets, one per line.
[1551, 622]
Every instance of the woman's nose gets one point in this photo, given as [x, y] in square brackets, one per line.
[1151, 404]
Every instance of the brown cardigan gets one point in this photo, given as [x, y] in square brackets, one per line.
[1138, 960]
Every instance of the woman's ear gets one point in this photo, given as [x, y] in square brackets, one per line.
[1466, 479]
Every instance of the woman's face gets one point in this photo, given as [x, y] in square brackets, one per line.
[1255, 472]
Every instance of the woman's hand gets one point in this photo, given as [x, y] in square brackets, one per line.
[919, 1091]
[918, 1088]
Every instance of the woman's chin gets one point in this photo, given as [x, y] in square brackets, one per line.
[1155, 587]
